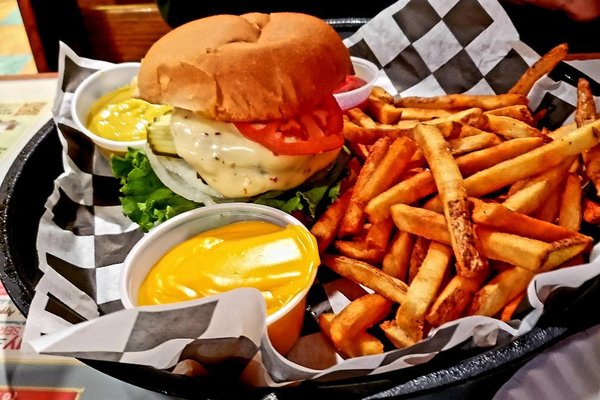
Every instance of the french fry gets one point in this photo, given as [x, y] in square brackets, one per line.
[591, 211]
[527, 253]
[499, 217]
[367, 275]
[423, 114]
[530, 163]
[540, 68]
[586, 106]
[326, 228]
[510, 127]
[383, 111]
[361, 344]
[549, 210]
[397, 259]
[358, 316]
[537, 190]
[569, 214]
[454, 200]
[419, 251]
[461, 101]
[359, 250]
[469, 144]
[511, 307]
[454, 299]
[354, 133]
[422, 290]
[422, 184]
[520, 112]
[381, 94]
[379, 234]
[353, 219]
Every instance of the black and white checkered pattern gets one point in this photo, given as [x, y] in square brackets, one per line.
[424, 48]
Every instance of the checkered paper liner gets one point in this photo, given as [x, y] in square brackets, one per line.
[422, 48]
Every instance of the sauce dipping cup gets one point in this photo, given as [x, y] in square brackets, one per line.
[368, 72]
[93, 88]
[283, 325]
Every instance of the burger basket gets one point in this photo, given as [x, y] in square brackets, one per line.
[59, 195]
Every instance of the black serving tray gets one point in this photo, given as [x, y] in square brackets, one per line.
[459, 373]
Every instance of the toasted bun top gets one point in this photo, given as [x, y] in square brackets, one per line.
[245, 68]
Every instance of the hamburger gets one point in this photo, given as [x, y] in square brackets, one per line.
[253, 109]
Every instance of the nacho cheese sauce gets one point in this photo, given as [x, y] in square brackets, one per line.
[278, 261]
[234, 165]
[119, 116]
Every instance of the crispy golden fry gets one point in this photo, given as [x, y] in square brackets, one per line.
[419, 251]
[569, 214]
[586, 105]
[527, 253]
[358, 316]
[423, 289]
[379, 234]
[354, 133]
[353, 219]
[469, 144]
[397, 259]
[361, 344]
[422, 184]
[381, 94]
[511, 307]
[530, 163]
[472, 116]
[326, 228]
[455, 203]
[563, 130]
[591, 211]
[499, 217]
[398, 336]
[510, 127]
[367, 275]
[423, 114]
[537, 190]
[505, 286]
[454, 299]
[359, 150]
[359, 250]
[540, 68]
[389, 170]
[461, 101]
[384, 112]
[520, 112]
[549, 210]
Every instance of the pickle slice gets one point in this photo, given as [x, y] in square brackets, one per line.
[160, 138]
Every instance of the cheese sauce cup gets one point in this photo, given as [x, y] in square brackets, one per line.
[213, 249]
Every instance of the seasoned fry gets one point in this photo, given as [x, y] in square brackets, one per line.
[422, 184]
[540, 68]
[549, 210]
[381, 94]
[569, 214]
[367, 275]
[398, 257]
[510, 127]
[499, 217]
[422, 290]
[454, 200]
[358, 316]
[461, 101]
[417, 256]
[359, 250]
[469, 144]
[423, 114]
[586, 106]
[379, 234]
[537, 190]
[360, 344]
[530, 163]
[353, 220]
[369, 135]
[384, 112]
[520, 112]
[328, 224]
[454, 299]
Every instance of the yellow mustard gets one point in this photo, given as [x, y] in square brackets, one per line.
[277, 261]
[119, 116]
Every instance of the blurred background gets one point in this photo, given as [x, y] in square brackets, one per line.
[15, 53]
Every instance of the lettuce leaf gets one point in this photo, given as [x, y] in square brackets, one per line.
[148, 202]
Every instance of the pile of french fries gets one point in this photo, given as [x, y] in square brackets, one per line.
[452, 204]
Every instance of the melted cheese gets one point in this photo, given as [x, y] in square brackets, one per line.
[278, 261]
[236, 166]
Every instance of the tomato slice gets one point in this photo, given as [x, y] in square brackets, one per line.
[312, 132]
